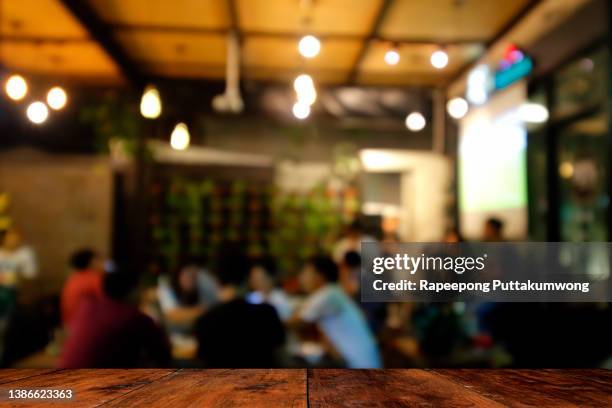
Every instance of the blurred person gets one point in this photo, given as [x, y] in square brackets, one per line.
[351, 241]
[264, 283]
[17, 260]
[186, 294]
[111, 332]
[84, 283]
[493, 230]
[235, 333]
[350, 273]
[336, 315]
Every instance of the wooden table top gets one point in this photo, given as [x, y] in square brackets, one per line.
[315, 388]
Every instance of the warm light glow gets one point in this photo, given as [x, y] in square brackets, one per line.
[457, 108]
[415, 121]
[309, 46]
[179, 139]
[533, 113]
[301, 110]
[150, 104]
[304, 89]
[37, 112]
[16, 87]
[56, 98]
[439, 59]
[566, 170]
[392, 57]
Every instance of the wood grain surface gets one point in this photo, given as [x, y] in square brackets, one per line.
[315, 388]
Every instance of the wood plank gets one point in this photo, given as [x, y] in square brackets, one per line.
[14, 374]
[389, 388]
[599, 375]
[90, 387]
[227, 388]
[531, 388]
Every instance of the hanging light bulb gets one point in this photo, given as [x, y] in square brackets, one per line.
[37, 112]
[457, 108]
[392, 57]
[179, 139]
[301, 110]
[304, 89]
[309, 46]
[439, 59]
[16, 87]
[150, 104]
[56, 98]
[415, 121]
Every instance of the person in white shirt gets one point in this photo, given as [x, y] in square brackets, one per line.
[185, 295]
[16, 260]
[336, 315]
[263, 280]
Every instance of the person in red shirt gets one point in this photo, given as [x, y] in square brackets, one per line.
[84, 283]
[111, 332]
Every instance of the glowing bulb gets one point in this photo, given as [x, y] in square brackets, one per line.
[566, 170]
[439, 59]
[457, 108]
[309, 46]
[150, 104]
[301, 110]
[16, 87]
[179, 139]
[302, 82]
[533, 113]
[392, 57]
[56, 98]
[415, 121]
[304, 89]
[37, 112]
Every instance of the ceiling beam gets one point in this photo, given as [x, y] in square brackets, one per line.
[102, 34]
[506, 28]
[380, 17]
[165, 29]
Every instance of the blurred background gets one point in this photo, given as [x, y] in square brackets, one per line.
[187, 183]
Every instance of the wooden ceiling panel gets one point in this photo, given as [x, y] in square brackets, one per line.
[178, 48]
[414, 63]
[348, 17]
[208, 14]
[447, 20]
[38, 19]
[82, 59]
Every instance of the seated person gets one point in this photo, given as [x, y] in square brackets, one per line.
[263, 281]
[84, 283]
[111, 332]
[186, 295]
[336, 315]
[235, 333]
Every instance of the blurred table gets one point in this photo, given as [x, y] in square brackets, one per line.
[317, 387]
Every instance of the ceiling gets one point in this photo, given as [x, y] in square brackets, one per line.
[186, 38]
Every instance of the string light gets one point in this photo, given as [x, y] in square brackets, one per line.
[16, 87]
[309, 46]
[392, 57]
[301, 110]
[37, 112]
[56, 98]
[415, 121]
[179, 139]
[457, 108]
[150, 104]
[439, 59]
[304, 89]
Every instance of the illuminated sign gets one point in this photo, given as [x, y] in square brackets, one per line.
[514, 66]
